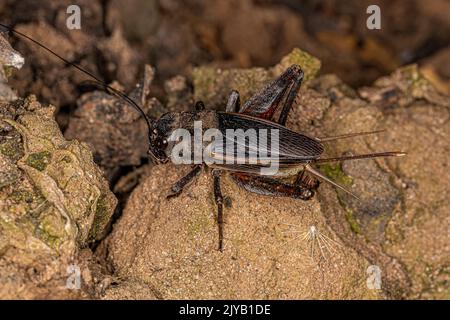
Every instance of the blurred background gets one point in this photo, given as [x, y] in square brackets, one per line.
[173, 36]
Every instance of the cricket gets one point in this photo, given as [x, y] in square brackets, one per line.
[268, 109]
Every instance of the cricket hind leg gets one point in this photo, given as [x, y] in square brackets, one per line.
[266, 102]
[271, 187]
[306, 181]
[218, 198]
[179, 186]
[293, 92]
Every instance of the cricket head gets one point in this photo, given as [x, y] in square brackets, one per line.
[160, 145]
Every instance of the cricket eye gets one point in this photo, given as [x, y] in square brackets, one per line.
[164, 142]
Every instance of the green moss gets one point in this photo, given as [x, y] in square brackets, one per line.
[44, 233]
[204, 81]
[23, 196]
[335, 173]
[39, 160]
[8, 70]
[351, 219]
[411, 74]
[309, 64]
[7, 149]
[8, 178]
[11, 150]
[416, 83]
[101, 218]
[48, 229]
[200, 224]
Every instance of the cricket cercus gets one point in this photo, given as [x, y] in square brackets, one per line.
[247, 160]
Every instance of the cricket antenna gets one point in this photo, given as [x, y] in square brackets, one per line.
[349, 135]
[107, 88]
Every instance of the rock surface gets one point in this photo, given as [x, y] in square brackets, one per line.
[173, 246]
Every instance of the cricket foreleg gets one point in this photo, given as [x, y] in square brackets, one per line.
[218, 198]
[178, 187]
[271, 187]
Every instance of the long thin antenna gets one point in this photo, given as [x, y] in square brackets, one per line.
[349, 135]
[101, 83]
[361, 156]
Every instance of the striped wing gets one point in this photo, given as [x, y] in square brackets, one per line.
[249, 143]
